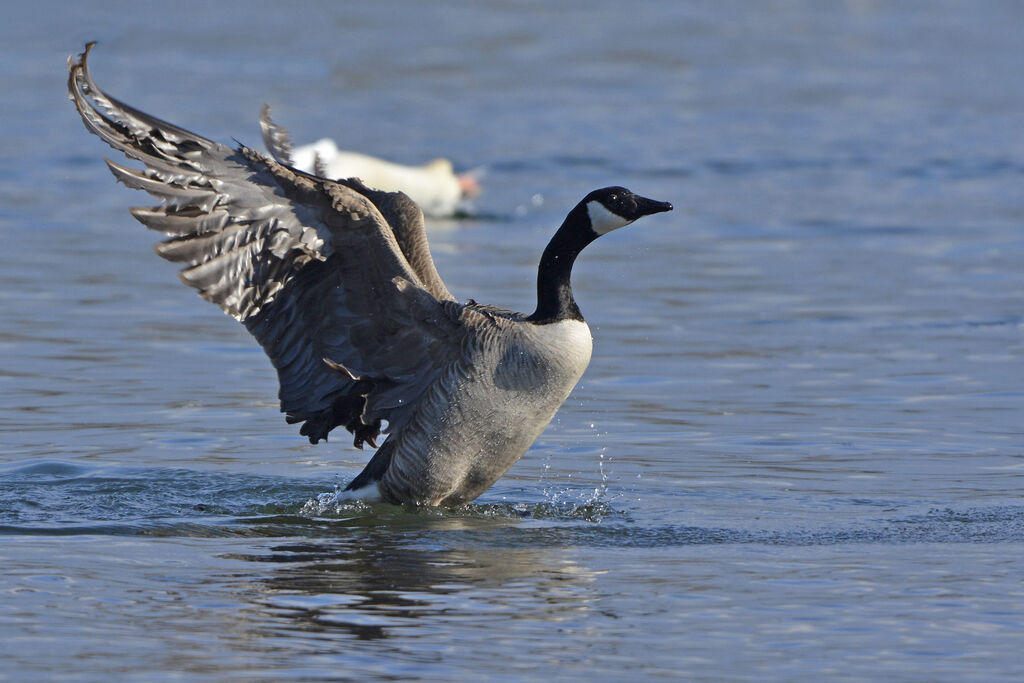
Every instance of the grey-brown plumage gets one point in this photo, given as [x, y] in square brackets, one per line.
[337, 284]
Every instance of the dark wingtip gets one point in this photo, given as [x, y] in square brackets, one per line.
[276, 138]
[83, 56]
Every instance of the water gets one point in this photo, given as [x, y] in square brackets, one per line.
[797, 452]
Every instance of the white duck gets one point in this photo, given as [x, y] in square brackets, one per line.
[435, 186]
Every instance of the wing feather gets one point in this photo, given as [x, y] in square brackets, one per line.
[316, 270]
[401, 213]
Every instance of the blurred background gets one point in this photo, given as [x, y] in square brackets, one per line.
[797, 452]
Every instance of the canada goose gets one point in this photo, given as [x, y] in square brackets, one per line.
[336, 282]
[434, 186]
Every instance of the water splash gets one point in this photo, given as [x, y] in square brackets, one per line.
[332, 503]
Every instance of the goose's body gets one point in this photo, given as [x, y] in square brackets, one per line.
[494, 402]
[435, 186]
[336, 282]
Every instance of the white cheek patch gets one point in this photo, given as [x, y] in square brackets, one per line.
[602, 220]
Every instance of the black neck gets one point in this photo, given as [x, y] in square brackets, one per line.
[554, 290]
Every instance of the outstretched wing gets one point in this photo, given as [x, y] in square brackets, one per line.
[311, 267]
[401, 213]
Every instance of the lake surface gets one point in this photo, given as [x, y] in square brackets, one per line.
[798, 452]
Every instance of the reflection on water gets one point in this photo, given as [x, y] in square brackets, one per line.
[371, 586]
[383, 591]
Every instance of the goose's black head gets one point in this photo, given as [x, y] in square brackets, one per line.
[599, 213]
[611, 208]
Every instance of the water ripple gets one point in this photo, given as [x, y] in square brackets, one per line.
[54, 498]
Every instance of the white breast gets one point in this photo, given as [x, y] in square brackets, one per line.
[567, 343]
